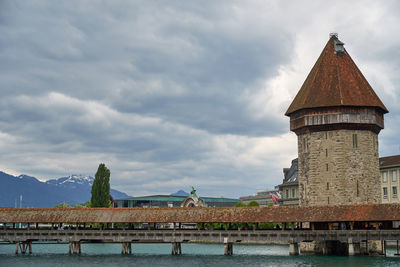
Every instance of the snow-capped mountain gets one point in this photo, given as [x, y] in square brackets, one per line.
[74, 179]
[73, 189]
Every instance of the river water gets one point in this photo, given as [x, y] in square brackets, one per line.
[193, 255]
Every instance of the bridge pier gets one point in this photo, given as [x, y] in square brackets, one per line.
[372, 247]
[228, 247]
[293, 248]
[327, 247]
[176, 248]
[23, 246]
[354, 249]
[126, 248]
[74, 247]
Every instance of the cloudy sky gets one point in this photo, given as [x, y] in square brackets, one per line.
[173, 94]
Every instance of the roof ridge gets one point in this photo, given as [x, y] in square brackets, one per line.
[338, 81]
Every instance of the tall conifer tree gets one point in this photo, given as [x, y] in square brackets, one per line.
[101, 188]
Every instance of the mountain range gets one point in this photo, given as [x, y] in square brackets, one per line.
[180, 193]
[73, 190]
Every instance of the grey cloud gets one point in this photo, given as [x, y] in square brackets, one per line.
[148, 86]
[179, 53]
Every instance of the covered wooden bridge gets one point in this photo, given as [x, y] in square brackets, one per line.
[351, 224]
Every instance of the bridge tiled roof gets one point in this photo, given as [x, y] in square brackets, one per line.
[335, 81]
[367, 212]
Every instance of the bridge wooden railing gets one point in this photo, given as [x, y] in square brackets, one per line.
[215, 236]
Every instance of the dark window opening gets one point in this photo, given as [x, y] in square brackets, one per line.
[358, 192]
[355, 142]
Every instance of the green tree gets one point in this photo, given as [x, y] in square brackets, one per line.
[253, 203]
[87, 204]
[101, 188]
[240, 204]
[62, 205]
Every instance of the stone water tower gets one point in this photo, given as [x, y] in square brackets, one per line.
[337, 117]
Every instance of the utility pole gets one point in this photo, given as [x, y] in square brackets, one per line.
[20, 206]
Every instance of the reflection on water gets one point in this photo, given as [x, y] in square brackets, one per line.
[193, 255]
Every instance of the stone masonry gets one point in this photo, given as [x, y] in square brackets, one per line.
[333, 170]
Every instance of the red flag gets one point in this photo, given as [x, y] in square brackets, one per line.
[274, 197]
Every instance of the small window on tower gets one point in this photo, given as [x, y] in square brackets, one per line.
[327, 186]
[327, 167]
[358, 191]
[326, 152]
[374, 142]
[355, 142]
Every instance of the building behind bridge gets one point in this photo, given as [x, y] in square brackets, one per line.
[262, 197]
[290, 185]
[390, 173]
[162, 201]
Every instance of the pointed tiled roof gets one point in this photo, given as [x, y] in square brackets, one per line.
[335, 81]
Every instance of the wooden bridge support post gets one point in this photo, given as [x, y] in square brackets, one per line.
[228, 247]
[126, 248]
[383, 244]
[23, 246]
[74, 247]
[293, 248]
[176, 248]
[397, 248]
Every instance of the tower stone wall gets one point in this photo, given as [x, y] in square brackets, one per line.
[338, 167]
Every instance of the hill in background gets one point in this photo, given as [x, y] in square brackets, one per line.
[73, 190]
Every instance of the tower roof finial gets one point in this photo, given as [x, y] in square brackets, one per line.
[334, 35]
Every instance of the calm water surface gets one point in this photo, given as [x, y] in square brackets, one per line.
[193, 255]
